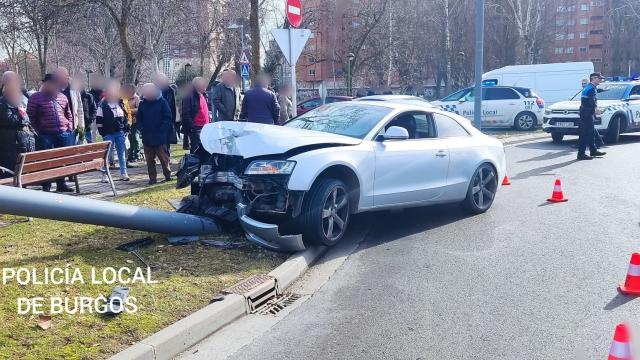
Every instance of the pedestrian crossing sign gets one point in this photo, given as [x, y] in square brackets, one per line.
[244, 70]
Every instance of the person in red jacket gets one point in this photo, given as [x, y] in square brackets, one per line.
[51, 117]
[195, 112]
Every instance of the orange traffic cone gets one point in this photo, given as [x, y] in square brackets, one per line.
[557, 195]
[506, 181]
[631, 285]
[620, 349]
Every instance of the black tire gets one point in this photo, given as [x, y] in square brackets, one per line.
[525, 121]
[325, 206]
[613, 133]
[480, 197]
[556, 137]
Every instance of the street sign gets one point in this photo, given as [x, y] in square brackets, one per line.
[294, 12]
[288, 37]
[292, 42]
[245, 70]
[244, 59]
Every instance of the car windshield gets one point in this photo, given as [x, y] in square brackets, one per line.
[456, 95]
[354, 120]
[607, 92]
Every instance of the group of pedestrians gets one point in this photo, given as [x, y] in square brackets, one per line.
[64, 113]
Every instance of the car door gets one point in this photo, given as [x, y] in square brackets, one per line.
[633, 108]
[412, 170]
[501, 106]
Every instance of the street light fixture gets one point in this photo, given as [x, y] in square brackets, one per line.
[350, 57]
[89, 71]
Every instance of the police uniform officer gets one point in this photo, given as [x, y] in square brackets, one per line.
[588, 108]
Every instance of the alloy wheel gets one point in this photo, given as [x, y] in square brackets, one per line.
[484, 187]
[335, 213]
[525, 121]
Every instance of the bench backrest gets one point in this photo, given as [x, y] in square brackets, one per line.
[38, 166]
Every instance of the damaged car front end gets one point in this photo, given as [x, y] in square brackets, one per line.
[252, 192]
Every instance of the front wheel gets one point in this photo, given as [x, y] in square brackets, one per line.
[325, 213]
[525, 121]
[613, 133]
[482, 190]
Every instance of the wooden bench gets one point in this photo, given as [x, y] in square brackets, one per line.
[40, 166]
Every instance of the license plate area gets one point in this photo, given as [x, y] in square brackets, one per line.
[565, 124]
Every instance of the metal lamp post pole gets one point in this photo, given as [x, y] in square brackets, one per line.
[294, 87]
[350, 58]
[477, 108]
[26, 70]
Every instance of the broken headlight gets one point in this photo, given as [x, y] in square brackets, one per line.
[270, 167]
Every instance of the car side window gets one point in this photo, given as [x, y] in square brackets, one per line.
[500, 94]
[447, 127]
[635, 91]
[425, 128]
[330, 100]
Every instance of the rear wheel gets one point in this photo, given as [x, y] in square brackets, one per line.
[525, 121]
[613, 133]
[482, 190]
[557, 138]
[325, 213]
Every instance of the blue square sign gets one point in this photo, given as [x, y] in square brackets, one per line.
[245, 70]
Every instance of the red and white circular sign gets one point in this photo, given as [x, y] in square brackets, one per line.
[294, 12]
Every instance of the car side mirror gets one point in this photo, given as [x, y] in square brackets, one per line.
[634, 97]
[396, 133]
[461, 100]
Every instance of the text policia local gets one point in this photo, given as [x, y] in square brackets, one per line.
[70, 276]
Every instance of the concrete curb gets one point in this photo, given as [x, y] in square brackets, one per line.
[180, 336]
[524, 138]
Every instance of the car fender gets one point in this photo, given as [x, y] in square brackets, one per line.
[359, 159]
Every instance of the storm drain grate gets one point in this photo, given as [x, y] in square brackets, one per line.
[258, 290]
[277, 304]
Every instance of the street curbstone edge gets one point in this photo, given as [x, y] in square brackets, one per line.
[180, 336]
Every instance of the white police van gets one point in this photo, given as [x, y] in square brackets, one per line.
[620, 106]
[502, 106]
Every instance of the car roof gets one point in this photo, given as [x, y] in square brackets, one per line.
[405, 99]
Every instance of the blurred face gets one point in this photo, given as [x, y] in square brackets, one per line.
[128, 91]
[200, 85]
[596, 81]
[149, 91]
[112, 94]
[229, 78]
[10, 77]
[51, 88]
[13, 93]
[160, 80]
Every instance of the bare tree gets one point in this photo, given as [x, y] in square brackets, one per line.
[121, 12]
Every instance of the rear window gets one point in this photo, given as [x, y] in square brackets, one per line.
[525, 92]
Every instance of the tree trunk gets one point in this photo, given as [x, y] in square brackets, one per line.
[254, 25]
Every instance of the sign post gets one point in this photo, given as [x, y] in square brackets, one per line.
[292, 42]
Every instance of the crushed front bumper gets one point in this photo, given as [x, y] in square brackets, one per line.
[267, 235]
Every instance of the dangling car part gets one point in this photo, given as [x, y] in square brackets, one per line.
[297, 185]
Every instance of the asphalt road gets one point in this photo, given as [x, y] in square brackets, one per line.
[527, 280]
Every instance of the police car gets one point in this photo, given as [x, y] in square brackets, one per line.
[619, 103]
[502, 106]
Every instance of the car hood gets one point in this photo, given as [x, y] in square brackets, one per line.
[252, 139]
[575, 105]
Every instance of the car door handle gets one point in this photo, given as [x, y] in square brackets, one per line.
[441, 153]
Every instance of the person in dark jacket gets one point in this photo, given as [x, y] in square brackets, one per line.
[50, 115]
[195, 112]
[16, 134]
[89, 110]
[161, 82]
[260, 105]
[154, 122]
[588, 111]
[225, 97]
[113, 125]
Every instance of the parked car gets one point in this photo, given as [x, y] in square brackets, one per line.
[298, 185]
[620, 105]
[403, 99]
[502, 106]
[313, 103]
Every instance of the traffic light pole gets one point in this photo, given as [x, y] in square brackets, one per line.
[477, 105]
